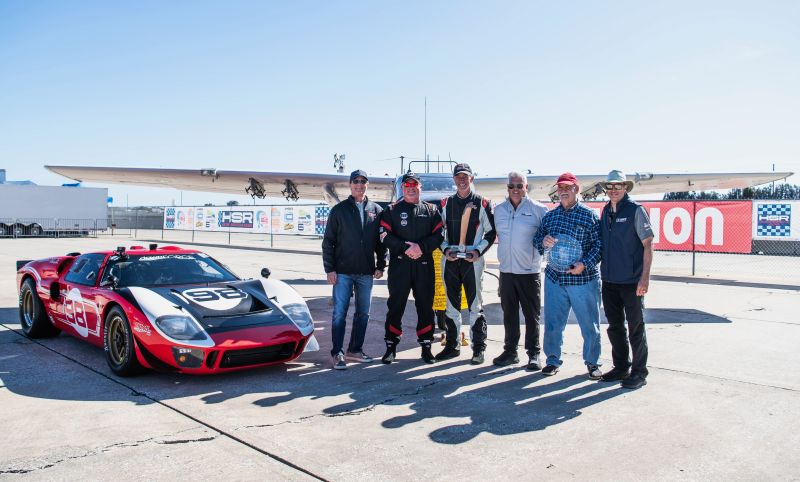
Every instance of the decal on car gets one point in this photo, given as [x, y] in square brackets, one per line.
[142, 328]
[76, 310]
[217, 299]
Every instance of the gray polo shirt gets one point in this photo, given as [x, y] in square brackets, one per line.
[515, 230]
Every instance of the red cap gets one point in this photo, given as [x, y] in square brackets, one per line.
[567, 178]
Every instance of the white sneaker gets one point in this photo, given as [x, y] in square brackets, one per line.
[358, 356]
[594, 372]
[338, 362]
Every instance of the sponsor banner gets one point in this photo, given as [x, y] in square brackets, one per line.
[709, 226]
[776, 220]
[244, 219]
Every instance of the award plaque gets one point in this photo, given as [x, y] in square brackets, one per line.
[462, 247]
[565, 253]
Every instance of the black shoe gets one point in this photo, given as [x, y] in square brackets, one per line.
[549, 370]
[534, 365]
[634, 381]
[477, 358]
[427, 355]
[615, 375]
[448, 353]
[594, 372]
[391, 353]
[506, 358]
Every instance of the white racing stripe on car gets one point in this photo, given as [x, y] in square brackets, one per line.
[283, 294]
[154, 305]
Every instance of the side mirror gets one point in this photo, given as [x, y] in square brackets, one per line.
[110, 282]
[265, 272]
[55, 291]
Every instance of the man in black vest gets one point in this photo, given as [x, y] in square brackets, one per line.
[353, 256]
[627, 256]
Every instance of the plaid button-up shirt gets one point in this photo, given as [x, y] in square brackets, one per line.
[581, 223]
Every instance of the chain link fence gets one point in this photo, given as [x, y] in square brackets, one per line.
[730, 240]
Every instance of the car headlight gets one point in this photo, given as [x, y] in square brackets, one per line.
[180, 327]
[301, 317]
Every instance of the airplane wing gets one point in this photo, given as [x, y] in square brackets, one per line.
[543, 187]
[334, 187]
[291, 185]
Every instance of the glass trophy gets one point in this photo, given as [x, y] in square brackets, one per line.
[565, 253]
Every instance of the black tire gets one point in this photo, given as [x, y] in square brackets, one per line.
[118, 344]
[32, 316]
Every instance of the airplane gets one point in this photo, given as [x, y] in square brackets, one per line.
[435, 185]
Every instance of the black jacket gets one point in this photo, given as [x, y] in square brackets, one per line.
[420, 223]
[348, 247]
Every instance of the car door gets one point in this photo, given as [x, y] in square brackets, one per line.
[81, 307]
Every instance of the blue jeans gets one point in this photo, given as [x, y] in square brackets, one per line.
[584, 300]
[341, 302]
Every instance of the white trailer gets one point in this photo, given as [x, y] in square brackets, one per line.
[30, 210]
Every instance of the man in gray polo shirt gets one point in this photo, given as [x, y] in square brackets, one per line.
[516, 221]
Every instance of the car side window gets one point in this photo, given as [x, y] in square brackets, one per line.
[85, 269]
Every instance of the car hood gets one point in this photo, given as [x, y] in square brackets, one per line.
[220, 306]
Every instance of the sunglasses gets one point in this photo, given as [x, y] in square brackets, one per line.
[614, 186]
[359, 181]
[410, 184]
[518, 185]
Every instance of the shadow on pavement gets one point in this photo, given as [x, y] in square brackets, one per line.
[473, 399]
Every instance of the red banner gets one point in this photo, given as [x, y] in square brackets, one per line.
[710, 226]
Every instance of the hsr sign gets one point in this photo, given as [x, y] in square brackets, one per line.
[712, 226]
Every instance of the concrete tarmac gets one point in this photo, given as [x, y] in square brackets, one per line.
[722, 403]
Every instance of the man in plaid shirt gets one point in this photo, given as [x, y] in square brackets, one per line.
[575, 286]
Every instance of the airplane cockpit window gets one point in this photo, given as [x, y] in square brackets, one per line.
[437, 184]
[433, 187]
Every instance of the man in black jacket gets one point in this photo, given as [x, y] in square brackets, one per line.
[411, 229]
[349, 251]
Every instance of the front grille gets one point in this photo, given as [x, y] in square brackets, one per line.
[257, 356]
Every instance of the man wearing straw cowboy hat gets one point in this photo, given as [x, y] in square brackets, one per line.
[627, 256]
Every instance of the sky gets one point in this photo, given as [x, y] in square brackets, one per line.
[581, 86]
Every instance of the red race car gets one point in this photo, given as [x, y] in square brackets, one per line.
[168, 309]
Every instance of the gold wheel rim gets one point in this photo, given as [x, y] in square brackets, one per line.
[117, 340]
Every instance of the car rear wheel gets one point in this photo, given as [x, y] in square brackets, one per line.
[118, 344]
[32, 316]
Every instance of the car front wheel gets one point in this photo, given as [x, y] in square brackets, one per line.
[118, 344]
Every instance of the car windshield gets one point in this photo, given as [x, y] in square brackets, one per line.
[166, 269]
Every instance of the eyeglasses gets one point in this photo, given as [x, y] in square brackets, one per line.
[359, 181]
[611, 186]
[518, 185]
[564, 187]
[410, 184]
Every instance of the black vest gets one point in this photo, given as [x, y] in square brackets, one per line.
[623, 252]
